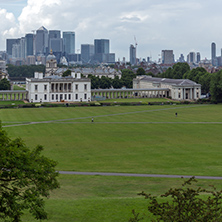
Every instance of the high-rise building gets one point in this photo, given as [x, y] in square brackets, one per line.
[101, 46]
[213, 54]
[191, 57]
[41, 41]
[55, 41]
[198, 57]
[29, 46]
[167, 56]
[132, 50]
[102, 51]
[69, 42]
[87, 52]
[9, 45]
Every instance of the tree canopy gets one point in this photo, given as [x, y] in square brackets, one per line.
[185, 204]
[67, 73]
[25, 178]
[24, 70]
[5, 84]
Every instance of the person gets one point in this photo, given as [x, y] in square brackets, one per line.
[176, 114]
[92, 120]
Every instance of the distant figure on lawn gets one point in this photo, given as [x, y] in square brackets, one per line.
[176, 114]
[92, 120]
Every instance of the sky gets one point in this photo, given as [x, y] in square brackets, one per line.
[180, 25]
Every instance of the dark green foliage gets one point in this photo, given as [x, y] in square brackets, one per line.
[185, 204]
[127, 78]
[67, 73]
[24, 70]
[5, 84]
[216, 87]
[176, 72]
[25, 178]
[140, 71]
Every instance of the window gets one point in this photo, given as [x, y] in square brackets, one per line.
[197, 95]
[36, 97]
[57, 97]
[36, 87]
[69, 96]
[76, 96]
[85, 86]
[45, 97]
[65, 96]
[77, 86]
[45, 87]
[52, 96]
[179, 95]
[85, 96]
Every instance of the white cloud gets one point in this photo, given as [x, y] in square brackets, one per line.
[173, 24]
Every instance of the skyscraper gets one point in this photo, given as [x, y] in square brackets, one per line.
[167, 56]
[41, 41]
[102, 54]
[87, 51]
[213, 54]
[101, 46]
[9, 45]
[191, 57]
[198, 57]
[132, 54]
[69, 42]
[55, 41]
[29, 49]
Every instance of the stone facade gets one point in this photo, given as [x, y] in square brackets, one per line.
[56, 88]
[179, 89]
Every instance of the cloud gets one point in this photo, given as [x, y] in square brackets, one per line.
[172, 24]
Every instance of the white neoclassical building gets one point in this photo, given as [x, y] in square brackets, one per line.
[56, 88]
[179, 89]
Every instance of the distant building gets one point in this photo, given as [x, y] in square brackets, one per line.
[87, 52]
[167, 56]
[102, 52]
[179, 89]
[191, 57]
[213, 54]
[198, 57]
[55, 41]
[41, 41]
[9, 45]
[51, 65]
[69, 42]
[29, 45]
[132, 54]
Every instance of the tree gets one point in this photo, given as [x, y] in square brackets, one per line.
[5, 84]
[140, 71]
[127, 78]
[67, 73]
[216, 87]
[26, 177]
[185, 204]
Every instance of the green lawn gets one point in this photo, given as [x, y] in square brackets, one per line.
[131, 139]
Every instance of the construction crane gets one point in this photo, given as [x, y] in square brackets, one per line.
[135, 46]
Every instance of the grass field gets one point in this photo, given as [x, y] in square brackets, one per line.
[130, 139]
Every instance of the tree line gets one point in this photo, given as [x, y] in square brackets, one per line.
[211, 83]
[24, 70]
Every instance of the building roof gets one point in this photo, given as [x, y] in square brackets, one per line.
[178, 82]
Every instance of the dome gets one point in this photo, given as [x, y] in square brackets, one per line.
[50, 57]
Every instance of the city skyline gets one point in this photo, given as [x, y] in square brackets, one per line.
[173, 25]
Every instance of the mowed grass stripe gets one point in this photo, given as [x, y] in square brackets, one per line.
[132, 148]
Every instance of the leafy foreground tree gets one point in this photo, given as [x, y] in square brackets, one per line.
[185, 204]
[26, 177]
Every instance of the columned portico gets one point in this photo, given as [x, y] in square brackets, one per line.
[129, 93]
[13, 95]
